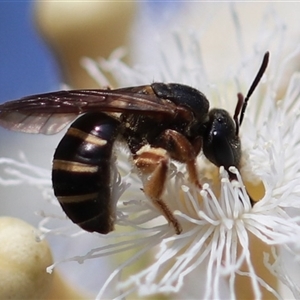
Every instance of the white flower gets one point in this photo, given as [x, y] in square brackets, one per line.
[219, 222]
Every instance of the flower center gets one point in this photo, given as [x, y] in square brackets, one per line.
[256, 190]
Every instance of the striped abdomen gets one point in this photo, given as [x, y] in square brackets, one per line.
[81, 173]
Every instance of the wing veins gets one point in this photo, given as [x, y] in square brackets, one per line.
[51, 112]
[79, 101]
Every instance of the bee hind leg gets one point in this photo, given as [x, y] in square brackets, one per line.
[155, 161]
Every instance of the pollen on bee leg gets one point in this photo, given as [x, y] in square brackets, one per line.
[147, 158]
[155, 161]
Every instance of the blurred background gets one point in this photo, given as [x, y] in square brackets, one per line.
[26, 64]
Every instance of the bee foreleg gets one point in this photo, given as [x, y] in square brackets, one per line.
[155, 161]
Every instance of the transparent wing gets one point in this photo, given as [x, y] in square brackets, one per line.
[49, 113]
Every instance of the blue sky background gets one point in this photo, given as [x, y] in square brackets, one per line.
[26, 65]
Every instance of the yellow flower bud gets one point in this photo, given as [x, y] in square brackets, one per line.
[23, 261]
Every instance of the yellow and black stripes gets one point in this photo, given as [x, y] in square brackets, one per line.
[81, 172]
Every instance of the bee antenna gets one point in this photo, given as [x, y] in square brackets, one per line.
[254, 84]
[237, 111]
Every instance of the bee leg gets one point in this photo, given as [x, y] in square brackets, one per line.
[182, 150]
[155, 161]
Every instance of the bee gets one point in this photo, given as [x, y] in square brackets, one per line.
[158, 122]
